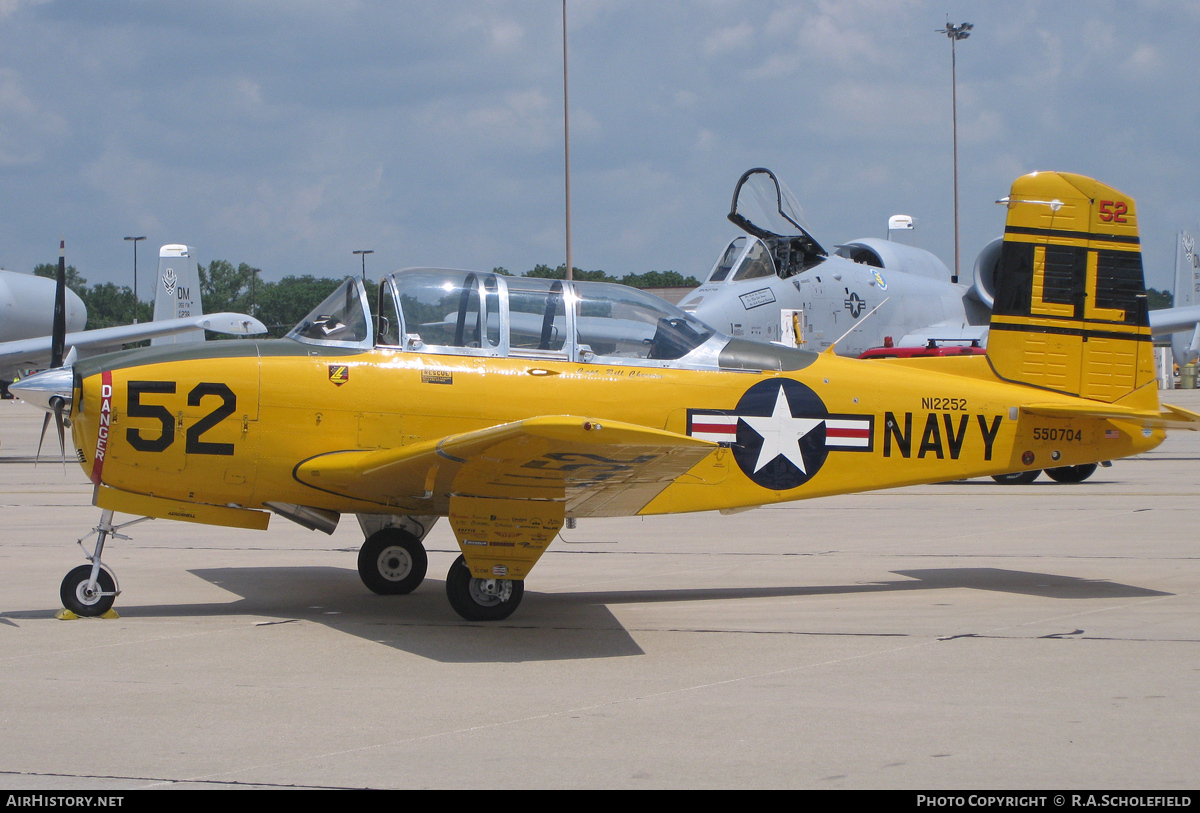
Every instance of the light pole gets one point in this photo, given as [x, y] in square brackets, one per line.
[955, 33]
[364, 252]
[567, 146]
[135, 241]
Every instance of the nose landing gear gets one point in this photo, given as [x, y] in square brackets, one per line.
[89, 591]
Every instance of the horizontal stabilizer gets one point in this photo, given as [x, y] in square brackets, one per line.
[1174, 320]
[1169, 417]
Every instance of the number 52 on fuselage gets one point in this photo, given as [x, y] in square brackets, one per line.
[511, 404]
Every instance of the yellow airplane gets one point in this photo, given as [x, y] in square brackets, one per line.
[513, 405]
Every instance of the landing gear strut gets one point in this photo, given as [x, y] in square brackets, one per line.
[481, 599]
[90, 590]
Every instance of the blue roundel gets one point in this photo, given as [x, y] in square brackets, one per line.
[780, 434]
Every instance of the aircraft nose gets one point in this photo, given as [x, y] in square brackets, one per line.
[43, 389]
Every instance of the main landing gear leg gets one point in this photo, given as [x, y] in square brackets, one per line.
[89, 590]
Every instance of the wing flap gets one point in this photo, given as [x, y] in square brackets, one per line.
[600, 468]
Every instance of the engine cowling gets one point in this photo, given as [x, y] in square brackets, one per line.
[984, 288]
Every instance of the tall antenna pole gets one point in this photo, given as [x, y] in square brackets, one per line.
[567, 144]
[955, 33]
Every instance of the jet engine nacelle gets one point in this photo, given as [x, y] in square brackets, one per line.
[986, 264]
[895, 257]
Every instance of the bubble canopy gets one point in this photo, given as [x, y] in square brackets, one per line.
[454, 312]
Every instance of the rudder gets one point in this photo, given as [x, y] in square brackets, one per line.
[1070, 311]
[1184, 346]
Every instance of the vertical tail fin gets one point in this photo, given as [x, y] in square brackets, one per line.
[1070, 312]
[177, 291]
[1184, 346]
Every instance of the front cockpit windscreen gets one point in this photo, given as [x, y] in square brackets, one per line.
[725, 264]
[341, 320]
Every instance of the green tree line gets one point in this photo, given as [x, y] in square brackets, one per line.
[650, 279]
[108, 305]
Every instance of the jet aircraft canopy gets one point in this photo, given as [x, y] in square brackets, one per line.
[767, 210]
[452, 312]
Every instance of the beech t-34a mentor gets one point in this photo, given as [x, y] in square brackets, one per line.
[510, 405]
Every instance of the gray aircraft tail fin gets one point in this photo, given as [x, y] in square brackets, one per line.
[177, 291]
[1185, 347]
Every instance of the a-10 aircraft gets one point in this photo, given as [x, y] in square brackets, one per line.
[541, 401]
[776, 283]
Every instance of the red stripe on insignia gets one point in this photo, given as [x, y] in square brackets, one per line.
[715, 428]
[847, 433]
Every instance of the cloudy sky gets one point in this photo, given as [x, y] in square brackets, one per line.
[287, 133]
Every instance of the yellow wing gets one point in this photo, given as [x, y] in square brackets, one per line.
[598, 468]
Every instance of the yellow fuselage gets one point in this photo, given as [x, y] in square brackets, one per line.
[230, 425]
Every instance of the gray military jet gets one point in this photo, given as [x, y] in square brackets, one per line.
[778, 284]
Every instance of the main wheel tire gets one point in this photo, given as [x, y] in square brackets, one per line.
[1017, 477]
[1071, 474]
[392, 562]
[78, 599]
[481, 599]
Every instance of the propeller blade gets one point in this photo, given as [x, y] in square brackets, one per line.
[58, 336]
[58, 419]
[41, 437]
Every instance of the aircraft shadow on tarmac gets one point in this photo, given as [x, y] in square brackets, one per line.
[565, 626]
[568, 626]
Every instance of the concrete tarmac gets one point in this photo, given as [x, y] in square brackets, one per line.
[963, 635]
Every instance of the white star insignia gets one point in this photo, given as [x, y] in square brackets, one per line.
[781, 434]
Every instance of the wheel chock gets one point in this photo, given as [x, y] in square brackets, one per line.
[67, 615]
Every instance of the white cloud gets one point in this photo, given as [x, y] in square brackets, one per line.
[25, 127]
[288, 130]
[727, 39]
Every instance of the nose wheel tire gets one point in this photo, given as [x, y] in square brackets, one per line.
[481, 599]
[1071, 474]
[1017, 477]
[392, 562]
[84, 601]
